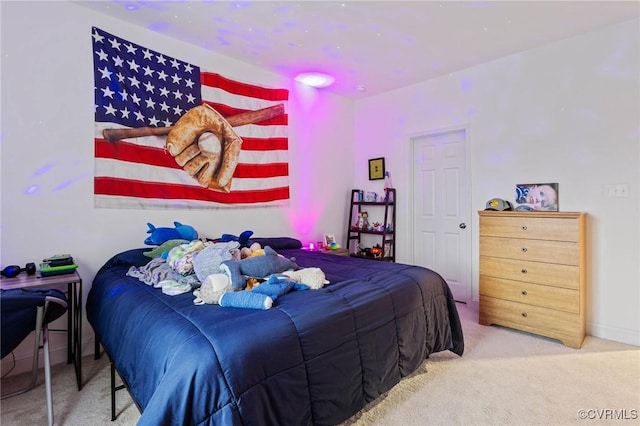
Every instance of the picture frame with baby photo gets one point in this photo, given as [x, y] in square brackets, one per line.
[329, 239]
[537, 197]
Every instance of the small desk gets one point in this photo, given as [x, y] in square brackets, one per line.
[74, 313]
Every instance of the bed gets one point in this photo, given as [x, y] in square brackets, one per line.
[315, 357]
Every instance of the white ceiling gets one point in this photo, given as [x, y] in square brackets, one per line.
[379, 45]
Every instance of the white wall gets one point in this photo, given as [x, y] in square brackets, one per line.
[47, 140]
[568, 112]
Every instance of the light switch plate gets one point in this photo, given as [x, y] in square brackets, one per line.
[617, 190]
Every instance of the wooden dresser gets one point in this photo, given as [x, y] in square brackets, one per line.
[533, 273]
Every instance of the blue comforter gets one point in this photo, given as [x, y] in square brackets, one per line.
[315, 357]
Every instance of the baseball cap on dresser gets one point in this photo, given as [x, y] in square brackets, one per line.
[498, 204]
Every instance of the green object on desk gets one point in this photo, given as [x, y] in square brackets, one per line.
[47, 270]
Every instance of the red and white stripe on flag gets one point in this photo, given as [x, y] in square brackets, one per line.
[139, 173]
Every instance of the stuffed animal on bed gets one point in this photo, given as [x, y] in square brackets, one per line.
[314, 278]
[243, 238]
[163, 234]
[214, 286]
[254, 250]
[239, 271]
[163, 249]
[277, 285]
[245, 299]
[216, 290]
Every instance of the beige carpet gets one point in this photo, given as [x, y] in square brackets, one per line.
[505, 377]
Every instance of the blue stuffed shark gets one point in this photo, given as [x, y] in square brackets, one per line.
[161, 235]
[277, 285]
[239, 271]
[243, 239]
[262, 296]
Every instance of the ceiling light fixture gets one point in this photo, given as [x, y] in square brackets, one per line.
[315, 79]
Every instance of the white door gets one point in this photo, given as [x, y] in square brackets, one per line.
[441, 208]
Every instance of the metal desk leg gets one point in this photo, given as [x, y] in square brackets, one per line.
[70, 293]
[79, 336]
[74, 340]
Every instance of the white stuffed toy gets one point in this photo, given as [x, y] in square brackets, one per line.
[314, 278]
[214, 286]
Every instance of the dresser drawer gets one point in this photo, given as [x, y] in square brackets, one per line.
[566, 253]
[531, 294]
[539, 228]
[528, 317]
[550, 274]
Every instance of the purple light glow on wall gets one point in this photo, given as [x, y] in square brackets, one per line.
[42, 170]
[56, 177]
[32, 189]
[305, 170]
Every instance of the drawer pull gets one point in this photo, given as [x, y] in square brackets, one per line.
[524, 271]
[524, 314]
[524, 227]
[524, 292]
[524, 249]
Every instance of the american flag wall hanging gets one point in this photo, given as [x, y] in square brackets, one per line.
[171, 135]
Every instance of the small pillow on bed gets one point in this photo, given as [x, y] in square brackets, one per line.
[279, 243]
[133, 257]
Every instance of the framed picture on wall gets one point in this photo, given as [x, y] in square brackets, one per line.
[537, 197]
[328, 239]
[376, 168]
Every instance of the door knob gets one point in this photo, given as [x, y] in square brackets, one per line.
[462, 225]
